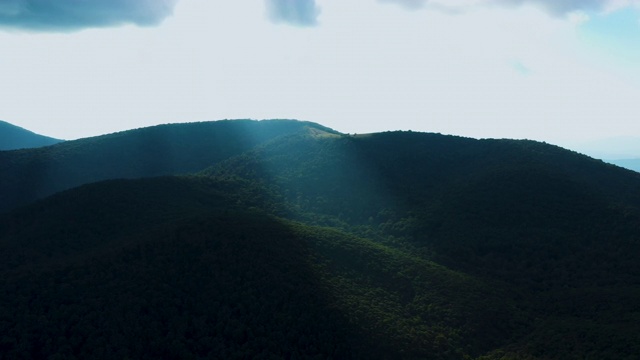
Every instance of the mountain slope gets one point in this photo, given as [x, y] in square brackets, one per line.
[390, 245]
[558, 227]
[359, 176]
[28, 175]
[179, 267]
[14, 137]
[214, 286]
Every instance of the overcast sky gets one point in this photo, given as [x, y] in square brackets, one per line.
[558, 71]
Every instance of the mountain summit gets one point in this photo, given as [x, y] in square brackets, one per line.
[14, 137]
[169, 149]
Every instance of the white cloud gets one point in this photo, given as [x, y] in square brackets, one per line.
[366, 69]
[578, 17]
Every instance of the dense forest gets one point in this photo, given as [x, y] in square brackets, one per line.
[285, 239]
[30, 174]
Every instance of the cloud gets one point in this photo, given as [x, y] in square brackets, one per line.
[293, 12]
[554, 7]
[578, 17]
[520, 68]
[409, 4]
[563, 7]
[70, 15]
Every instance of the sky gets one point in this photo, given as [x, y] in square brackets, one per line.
[560, 71]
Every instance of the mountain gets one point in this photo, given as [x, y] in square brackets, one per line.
[620, 147]
[190, 267]
[631, 164]
[311, 243]
[13, 137]
[31, 174]
[623, 151]
[560, 228]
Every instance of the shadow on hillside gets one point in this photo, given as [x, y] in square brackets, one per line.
[227, 284]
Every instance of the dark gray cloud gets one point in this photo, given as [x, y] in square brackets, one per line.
[293, 12]
[69, 15]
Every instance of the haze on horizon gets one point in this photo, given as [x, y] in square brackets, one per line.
[561, 72]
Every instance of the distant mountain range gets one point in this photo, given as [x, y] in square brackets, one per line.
[631, 164]
[286, 239]
[159, 150]
[13, 137]
[623, 151]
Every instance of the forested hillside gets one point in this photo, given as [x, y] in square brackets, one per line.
[308, 243]
[30, 174]
[178, 267]
[14, 137]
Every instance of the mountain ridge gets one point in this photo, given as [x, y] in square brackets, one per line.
[170, 149]
[391, 245]
[13, 137]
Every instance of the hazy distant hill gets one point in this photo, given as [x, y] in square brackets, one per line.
[631, 164]
[623, 151]
[311, 243]
[13, 137]
[30, 174]
[621, 147]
